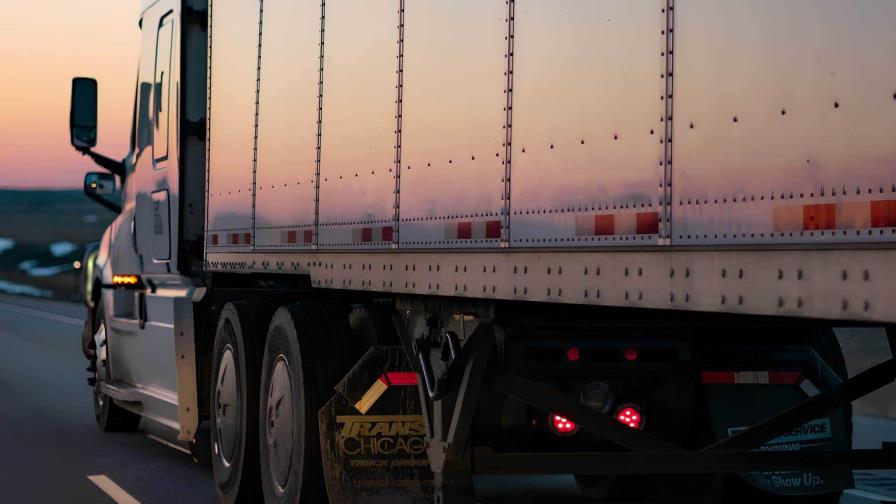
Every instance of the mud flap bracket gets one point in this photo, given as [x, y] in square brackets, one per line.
[449, 414]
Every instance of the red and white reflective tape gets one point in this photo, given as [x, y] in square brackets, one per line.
[824, 216]
[289, 237]
[627, 223]
[752, 377]
[373, 234]
[381, 385]
[473, 230]
[400, 378]
[230, 239]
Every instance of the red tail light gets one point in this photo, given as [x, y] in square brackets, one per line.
[630, 415]
[561, 425]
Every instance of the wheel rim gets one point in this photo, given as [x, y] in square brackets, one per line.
[99, 341]
[279, 423]
[226, 408]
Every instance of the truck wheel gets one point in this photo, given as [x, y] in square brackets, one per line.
[290, 447]
[110, 417]
[234, 401]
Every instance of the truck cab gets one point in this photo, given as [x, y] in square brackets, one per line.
[140, 290]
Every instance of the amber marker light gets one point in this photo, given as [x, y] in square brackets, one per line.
[125, 280]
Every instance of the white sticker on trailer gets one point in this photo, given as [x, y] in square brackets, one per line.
[815, 432]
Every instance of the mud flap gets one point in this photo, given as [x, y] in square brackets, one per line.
[735, 407]
[373, 441]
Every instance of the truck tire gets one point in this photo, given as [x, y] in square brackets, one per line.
[234, 401]
[290, 398]
[110, 417]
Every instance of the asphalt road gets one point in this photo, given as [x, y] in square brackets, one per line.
[49, 441]
[52, 451]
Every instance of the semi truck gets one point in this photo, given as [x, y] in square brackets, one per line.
[407, 251]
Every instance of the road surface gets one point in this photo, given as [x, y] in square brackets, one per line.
[53, 452]
[49, 440]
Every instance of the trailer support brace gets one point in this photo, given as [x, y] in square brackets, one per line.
[451, 413]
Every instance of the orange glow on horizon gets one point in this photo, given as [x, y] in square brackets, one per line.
[42, 46]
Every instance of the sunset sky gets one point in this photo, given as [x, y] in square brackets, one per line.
[43, 44]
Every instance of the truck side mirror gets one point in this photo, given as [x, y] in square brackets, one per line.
[82, 119]
[100, 187]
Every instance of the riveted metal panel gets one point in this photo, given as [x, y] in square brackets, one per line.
[823, 283]
[287, 124]
[357, 167]
[784, 121]
[453, 123]
[801, 172]
[589, 81]
[232, 93]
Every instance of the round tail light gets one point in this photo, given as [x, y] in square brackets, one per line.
[562, 426]
[630, 416]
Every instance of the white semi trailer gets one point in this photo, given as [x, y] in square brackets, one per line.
[417, 250]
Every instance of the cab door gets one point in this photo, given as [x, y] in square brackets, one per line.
[155, 159]
[145, 356]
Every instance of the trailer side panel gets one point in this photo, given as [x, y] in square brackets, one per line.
[784, 121]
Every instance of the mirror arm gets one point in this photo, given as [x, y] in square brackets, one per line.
[114, 167]
[105, 203]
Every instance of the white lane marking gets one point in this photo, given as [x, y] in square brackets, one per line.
[42, 314]
[169, 444]
[868, 495]
[112, 489]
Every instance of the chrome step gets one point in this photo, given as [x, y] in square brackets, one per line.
[120, 390]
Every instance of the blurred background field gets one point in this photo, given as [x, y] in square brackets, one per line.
[43, 236]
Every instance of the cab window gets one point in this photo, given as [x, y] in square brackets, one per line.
[161, 110]
[152, 118]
